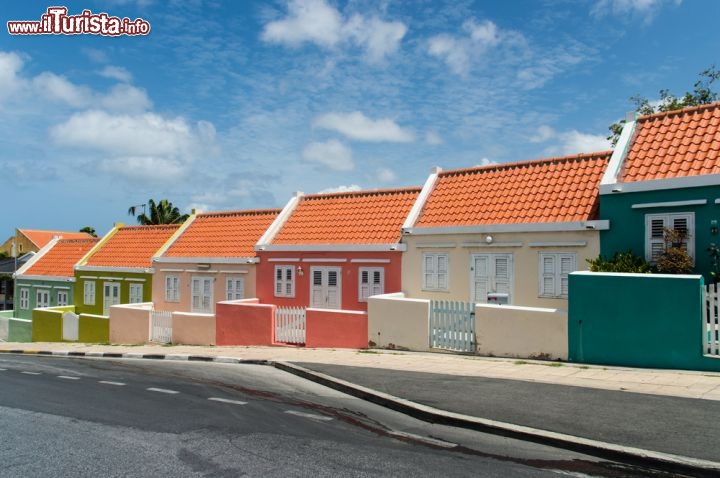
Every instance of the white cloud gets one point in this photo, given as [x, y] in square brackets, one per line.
[357, 126]
[458, 52]
[315, 21]
[332, 154]
[643, 9]
[542, 134]
[144, 167]
[98, 56]
[341, 189]
[10, 66]
[487, 162]
[433, 138]
[574, 142]
[385, 175]
[116, 73]
[58, 88]
[125, 98]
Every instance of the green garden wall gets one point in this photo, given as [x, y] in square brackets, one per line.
[627, 225]
[93, 329]
[637, 320]
[19, 330]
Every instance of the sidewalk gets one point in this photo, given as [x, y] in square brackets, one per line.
[664, 411]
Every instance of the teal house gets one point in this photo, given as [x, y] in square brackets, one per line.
[118, 270]
[48, 278]
[665, 174]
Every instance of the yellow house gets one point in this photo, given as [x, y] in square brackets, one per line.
[505, 234]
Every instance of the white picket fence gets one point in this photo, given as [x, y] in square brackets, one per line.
[290, 325]
[161, 326]
[711, 324]
[452, 326]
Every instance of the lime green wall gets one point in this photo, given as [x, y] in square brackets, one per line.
[643, 320]
[47, 324]
[52, 286]
[100, 278]
[93, 329]
[627, 225]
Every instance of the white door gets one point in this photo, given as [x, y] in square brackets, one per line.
[111, 296]
[42, 298]
[202, 294]
[491, 278]
[325, 287]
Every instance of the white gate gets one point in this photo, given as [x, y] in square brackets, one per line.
[452, 325]
[290, 325]
[70, 326]
[161, 326]
[711, 324]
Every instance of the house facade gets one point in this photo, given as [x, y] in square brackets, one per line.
[119, 269]
[211, 259]
[47, 280]
[333, 251]
[505, 234]
[665, 173]
[32, 240]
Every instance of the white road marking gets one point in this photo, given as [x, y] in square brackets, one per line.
[31, 373]
[3, 370]
[68, 378]
[420, 438]
[225, 400]
[309, 415]
[162, 390]
[119, 384]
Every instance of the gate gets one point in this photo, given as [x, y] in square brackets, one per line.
[711, 322]
[70, 326]
[290, 325]
[161, 326]
[452, 326]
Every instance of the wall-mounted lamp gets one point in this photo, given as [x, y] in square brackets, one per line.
[489, 239]
[300, 271]
[713, 227]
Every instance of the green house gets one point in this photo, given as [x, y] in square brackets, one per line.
[665, 174]
[47, 279]
[118, 270]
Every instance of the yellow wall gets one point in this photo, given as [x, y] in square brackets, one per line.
[525, 262]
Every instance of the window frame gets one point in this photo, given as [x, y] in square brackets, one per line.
[231, 293]
[668, 218]
[370, 274]
[25, 301]
[556, 275]
[284, 286]
[172, 293]
[435, 273]
[66, 295]
[132, 296]
[89, 292]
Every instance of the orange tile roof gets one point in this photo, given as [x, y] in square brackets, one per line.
[61, 259]
[358, 217]
[132, 246]
[548, 190]
[223, 234]
[674, 144]
[41, 238]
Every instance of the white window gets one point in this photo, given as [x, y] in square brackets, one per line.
[554, 270]
[325, 287]
[435, 271]
[136, 293]
[89, 292]
[655, 225]
[24, 298]
[62, 298]
[202, 291]
[372, 282]
[111, 296]
[284, 281]
[42, 298]
[172, 288]
[492, 278]
[235, 289]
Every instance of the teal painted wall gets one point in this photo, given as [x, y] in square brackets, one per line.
[93, 329]
[118, 277]
[33, 285]
[627, 225]
[647, 320]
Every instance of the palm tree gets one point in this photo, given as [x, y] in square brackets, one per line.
[162, 212]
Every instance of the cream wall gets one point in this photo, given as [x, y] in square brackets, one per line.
[220, 272]
[526, 257]
[398, 323]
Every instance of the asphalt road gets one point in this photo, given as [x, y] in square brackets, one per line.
[90, 417]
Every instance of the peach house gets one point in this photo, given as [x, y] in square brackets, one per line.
[211, 259]
[333, 251]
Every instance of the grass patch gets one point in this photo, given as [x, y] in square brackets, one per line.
[519, 362]
[367, 351]
[554, 364]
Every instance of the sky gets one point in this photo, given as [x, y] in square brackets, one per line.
[227, 105]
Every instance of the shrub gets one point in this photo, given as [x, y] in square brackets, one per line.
[620, 262]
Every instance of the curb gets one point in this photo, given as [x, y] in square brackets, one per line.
[628, 455]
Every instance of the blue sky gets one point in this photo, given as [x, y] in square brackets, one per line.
[236, 105]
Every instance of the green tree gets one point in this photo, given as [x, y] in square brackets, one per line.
[620, 262]
[162, 212]
[89, 230]
[675, 259]
[702, 94]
